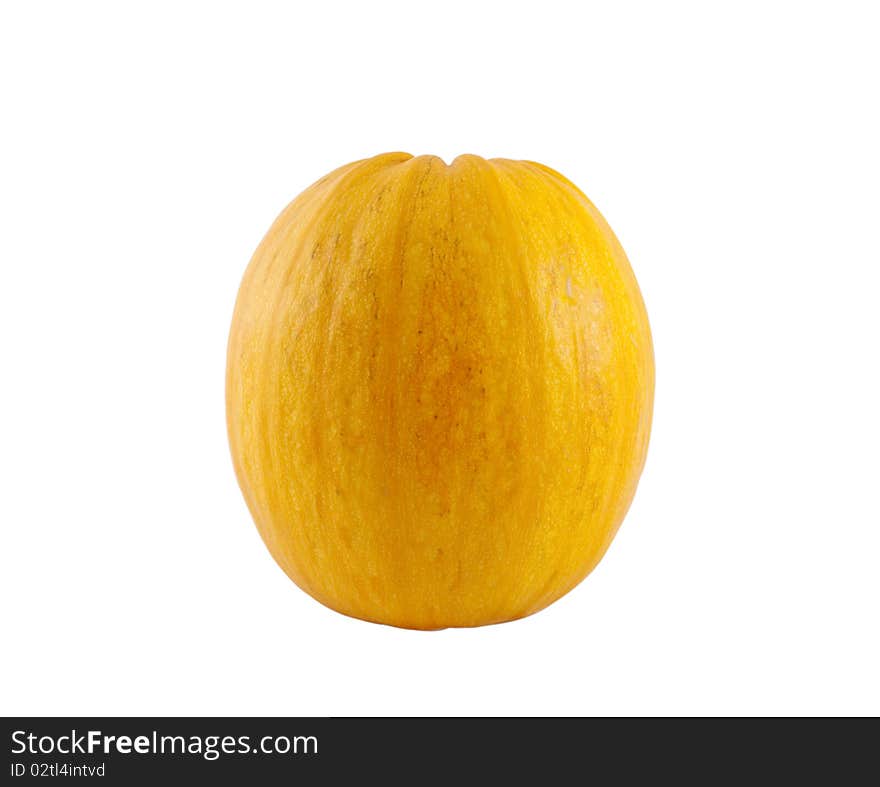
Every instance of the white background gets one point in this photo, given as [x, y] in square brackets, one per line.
[144, 153]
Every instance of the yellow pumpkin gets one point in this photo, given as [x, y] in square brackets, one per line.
[439, 389]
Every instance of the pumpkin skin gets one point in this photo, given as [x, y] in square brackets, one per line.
[439, 389]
